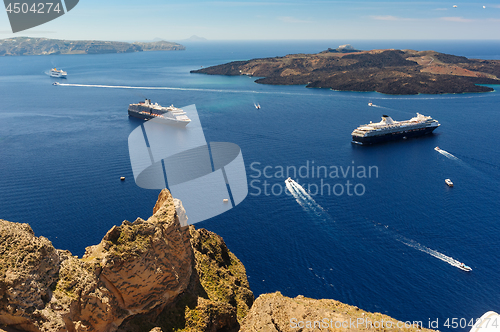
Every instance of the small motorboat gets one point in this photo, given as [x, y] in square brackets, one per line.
[55, 83]
[257, 106]
[289, 180]
[437, 148]
[370, 104]
[448, 182]
[464, 267]
[225, 200]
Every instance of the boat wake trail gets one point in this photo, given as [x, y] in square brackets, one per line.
[447, 154]
[391, 109]
[306, 201]
[473, 169]
[181, 89]
[415, 245]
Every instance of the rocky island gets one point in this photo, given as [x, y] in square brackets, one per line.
[45, 46]
[148, 275]
[389, 71]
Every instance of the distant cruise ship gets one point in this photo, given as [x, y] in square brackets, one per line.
[388, 129]
[146, 110]
[58, 73]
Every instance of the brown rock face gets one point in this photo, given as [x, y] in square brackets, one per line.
[277, 313]
[137, 267]
[29, 268]
[149, 274]
[217, 298]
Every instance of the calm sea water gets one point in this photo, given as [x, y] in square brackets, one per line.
[63, 150]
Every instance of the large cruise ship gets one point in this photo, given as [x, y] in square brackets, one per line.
[388, 129]
[146, 110]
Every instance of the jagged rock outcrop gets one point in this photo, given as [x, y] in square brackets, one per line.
[145, 269]
[277, 313]
[218, 296]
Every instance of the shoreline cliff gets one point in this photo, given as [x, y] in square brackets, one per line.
[146, 275]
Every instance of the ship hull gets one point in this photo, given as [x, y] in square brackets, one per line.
[143, 116]
[391, 136]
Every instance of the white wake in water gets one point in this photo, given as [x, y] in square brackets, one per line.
[447, 154]
[415, 245]
[392, 109]
[306, 201]
[474, 170]
[250, 91]
[180, 89]
[434, 253]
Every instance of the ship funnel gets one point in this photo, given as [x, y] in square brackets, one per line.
[387, 119]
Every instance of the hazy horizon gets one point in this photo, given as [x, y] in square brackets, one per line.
[271, 20]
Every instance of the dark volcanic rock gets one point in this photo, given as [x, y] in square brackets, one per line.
[386, 71]
[400, 83]
[448, 58]
[228, 69]
[381, 60]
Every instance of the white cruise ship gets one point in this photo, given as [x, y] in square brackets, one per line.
[146, 110]
[388, 129]
[54, 72]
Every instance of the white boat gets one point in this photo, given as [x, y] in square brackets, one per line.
[147, 110]
[289, 180]
[437, 148]
[55, 83]
[257, 106]
[54, 72]
[464, 267]
[448, 182]
[370, 104]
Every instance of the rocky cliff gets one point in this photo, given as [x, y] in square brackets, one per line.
[278, 313]
[144, 274]
[152, 275]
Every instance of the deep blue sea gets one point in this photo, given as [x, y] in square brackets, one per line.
[63, 150]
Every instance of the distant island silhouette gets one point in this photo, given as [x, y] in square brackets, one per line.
[46, 46]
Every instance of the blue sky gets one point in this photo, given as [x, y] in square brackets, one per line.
[270, 19]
